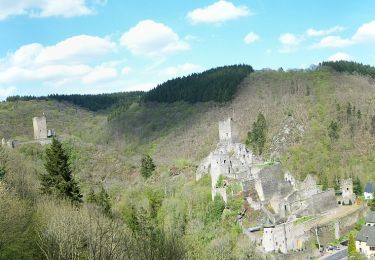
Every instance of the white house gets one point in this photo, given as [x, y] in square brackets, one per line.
[365, 242]
[369, 191]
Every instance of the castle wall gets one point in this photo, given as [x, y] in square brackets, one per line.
[222, 192]
[323, 201]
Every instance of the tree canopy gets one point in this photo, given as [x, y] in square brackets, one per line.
[350, 67]
[218, 84]
[88, 101]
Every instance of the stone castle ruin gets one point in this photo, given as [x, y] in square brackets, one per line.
[230, 159]
[40, 127]
[42, 135]
[279, 196]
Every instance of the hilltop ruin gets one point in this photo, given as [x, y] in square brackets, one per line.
[42, 135]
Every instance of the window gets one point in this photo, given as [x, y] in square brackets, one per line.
[372, 248]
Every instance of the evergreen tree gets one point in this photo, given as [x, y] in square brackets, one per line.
[257, 137]
[351, 246]
[359, 114]
[325, 183]
[2, 171]
[103, 201]
[357, 186]
[337, 185]
[147, 166]
[348, 112]
[59, 179]
[333, 130]
[91, 197]
[372, 130]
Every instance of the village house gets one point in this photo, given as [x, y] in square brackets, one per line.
[365, 242]
[369, 191]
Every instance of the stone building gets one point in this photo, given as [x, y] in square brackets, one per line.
[347, 196]
[365, 240]
[40, 127]
[230, 159]
[305, 198]
[283, 238]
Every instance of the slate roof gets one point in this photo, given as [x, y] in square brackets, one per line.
[367, 234]
[370, 218]
[369, 187]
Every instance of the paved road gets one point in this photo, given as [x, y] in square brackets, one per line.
[339, 255]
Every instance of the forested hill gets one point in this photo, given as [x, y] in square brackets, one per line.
[218, 84]
[88, 101]
[350, 67]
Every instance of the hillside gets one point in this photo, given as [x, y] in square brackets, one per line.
[182, 131]
[170, 213]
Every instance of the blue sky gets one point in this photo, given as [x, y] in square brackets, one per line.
[96, 46]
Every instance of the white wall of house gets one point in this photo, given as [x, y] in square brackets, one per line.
[364, 249]
[368, 196]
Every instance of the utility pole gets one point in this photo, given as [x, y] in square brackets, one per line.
[317, 237]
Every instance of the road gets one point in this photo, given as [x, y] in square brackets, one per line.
[339, 255]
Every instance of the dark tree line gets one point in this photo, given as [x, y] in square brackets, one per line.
[88, 101]
[350, 67]
[219, 84]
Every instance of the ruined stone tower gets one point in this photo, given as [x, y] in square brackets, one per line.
[347, 190]
[225, 130]
[40, 127]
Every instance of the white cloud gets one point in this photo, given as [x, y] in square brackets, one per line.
[333, 42]
[67, 62]
[365, 33]
[153, 39]
[5, 92]
[219, 12]
[44, 8]
[339, 56]
[181, 70]
[100, 74]
[251, 37]
[126, 70]
[316, 33]
[76, 49]
[290, 42]
[289, 39]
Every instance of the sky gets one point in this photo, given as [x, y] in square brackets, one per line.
[102, 46]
